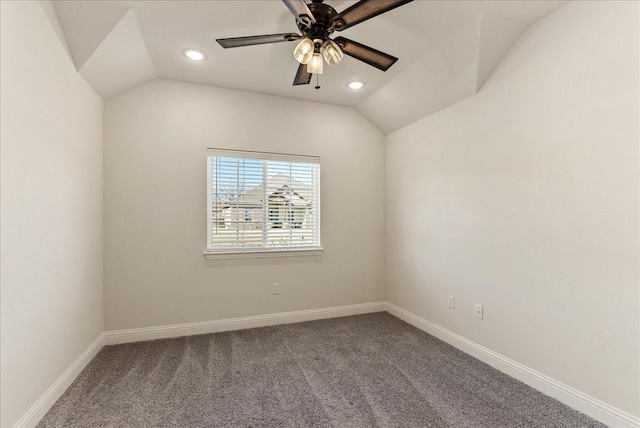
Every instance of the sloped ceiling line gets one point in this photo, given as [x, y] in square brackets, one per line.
[86, 25]
[447, 52]
[122, 60]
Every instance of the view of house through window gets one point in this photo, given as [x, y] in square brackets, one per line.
[262, 201]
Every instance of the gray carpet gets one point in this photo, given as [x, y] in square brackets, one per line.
[363, 371]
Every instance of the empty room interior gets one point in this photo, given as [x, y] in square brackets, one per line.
[338, 213]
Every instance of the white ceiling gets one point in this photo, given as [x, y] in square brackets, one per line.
[446, 50]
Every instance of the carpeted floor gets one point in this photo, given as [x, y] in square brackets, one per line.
[363, 371]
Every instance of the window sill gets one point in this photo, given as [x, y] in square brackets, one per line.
[261, 253]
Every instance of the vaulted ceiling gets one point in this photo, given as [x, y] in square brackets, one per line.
[446, 50]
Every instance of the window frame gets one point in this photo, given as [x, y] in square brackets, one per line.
[261, 252]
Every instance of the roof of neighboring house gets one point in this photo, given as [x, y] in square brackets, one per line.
[281, 184]
[296, 192]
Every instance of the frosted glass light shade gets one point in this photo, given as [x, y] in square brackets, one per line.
[304, 51]
[316, 64]
[332, 53]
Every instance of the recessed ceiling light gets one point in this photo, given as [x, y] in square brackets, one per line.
[194, 54]
[355, 85]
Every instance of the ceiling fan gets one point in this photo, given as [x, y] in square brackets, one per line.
[317, 21]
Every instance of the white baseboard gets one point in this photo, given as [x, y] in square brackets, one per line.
[48, 399]
[51, 395]
[595, 408]
[189, 329]
[573, 398]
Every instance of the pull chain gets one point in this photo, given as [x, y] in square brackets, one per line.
[317, 84]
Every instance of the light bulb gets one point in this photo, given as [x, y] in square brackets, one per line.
[304, 51]
[355, 85]
[316, 64]
[332, 53]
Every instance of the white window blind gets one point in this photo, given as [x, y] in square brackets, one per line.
[262, 201]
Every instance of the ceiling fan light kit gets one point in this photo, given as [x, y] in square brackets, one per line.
[317, 21]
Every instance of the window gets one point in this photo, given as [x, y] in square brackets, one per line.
[262, 204]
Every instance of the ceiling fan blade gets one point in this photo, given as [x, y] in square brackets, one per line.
[366, 54]
[236, 42]
[363, 10]
[302, 76]
[301, 11]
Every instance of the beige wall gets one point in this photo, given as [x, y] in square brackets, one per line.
[51, 202]
[155, 205]
[524, 198]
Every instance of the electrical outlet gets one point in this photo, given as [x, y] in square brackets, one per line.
[479, 311]
[275, 288]
[450, 301]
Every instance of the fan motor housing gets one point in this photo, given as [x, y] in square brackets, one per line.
[324, 14]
